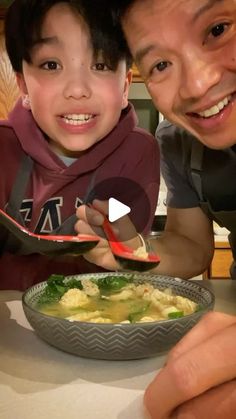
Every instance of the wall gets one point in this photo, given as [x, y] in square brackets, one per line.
[149, 118]
[8, 87]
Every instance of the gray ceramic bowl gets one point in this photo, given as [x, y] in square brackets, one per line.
[118, 341]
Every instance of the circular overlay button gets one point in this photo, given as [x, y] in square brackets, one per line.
[129, 195]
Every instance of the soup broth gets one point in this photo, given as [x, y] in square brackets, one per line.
[118, 301]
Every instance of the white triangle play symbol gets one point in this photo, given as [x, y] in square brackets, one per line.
[116, 209]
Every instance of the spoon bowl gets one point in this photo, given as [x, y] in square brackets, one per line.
[49, 244]
[126, 256]
[135, 263]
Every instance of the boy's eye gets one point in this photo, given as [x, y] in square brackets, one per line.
[101, 67]
[50, 65]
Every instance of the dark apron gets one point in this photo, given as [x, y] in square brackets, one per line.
[223, 218]
[8, 241]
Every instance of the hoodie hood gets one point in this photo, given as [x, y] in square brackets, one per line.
[34, 143]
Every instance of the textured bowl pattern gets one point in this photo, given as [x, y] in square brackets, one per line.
[118, 341]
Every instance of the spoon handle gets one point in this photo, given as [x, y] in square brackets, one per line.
[113, 240]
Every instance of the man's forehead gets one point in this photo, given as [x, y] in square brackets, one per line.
[141, 21]
[175, 3]
[146, 8]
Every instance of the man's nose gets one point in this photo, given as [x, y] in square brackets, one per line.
[77, 84]
[198, 76]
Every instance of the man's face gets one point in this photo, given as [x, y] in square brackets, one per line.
[186, 52]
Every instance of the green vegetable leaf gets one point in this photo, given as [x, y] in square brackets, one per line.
[138, 313]
[113, 283]
[175, 314]
[55, 279]
[73, 283]
[56, 288]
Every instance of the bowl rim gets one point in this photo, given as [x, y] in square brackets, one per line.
[122, 325]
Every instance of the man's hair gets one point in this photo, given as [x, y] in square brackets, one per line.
[24, 19]
[119, 8]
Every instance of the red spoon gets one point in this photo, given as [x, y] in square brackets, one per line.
[49, 244]
[126, 256]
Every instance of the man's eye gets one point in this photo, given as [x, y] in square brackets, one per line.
[161, 66]
[218, 29]
[50, 65]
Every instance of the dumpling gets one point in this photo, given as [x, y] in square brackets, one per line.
[74, 298]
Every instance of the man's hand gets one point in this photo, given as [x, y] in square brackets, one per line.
[199, 378]
[91, 221]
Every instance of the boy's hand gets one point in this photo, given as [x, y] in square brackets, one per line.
[199, 378]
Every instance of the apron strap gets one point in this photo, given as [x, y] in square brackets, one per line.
[67, 227]
[196, 167]
[19, 188]
[18, 192]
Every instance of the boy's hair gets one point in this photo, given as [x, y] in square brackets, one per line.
[24, 21]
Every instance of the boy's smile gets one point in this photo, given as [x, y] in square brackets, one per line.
[186, 52]
[75, 99]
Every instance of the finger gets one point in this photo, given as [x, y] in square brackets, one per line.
[90, 215]
[210, 324]
[219, 402]
[83, 227]
[101, 255]
[205, 366]
[123, 227]
[107, 261]
[102, 206]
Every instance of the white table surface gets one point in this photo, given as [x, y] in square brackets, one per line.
[38, 381]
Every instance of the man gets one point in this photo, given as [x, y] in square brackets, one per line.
[186, 53]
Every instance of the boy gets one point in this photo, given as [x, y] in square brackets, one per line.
[72, 130]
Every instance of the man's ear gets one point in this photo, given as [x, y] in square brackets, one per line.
[23, 90]
[128, 82]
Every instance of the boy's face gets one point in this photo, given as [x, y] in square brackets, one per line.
[74, 99]
[186, 52]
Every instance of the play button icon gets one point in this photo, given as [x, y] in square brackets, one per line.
[124, 196]
[116, 209]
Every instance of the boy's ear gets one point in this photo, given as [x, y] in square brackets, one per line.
[23, 90]
[128, 82]
[21, 83]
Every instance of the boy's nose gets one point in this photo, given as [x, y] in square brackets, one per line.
[77, 85]
[198, 76]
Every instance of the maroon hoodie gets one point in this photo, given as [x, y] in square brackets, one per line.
[53, 190]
